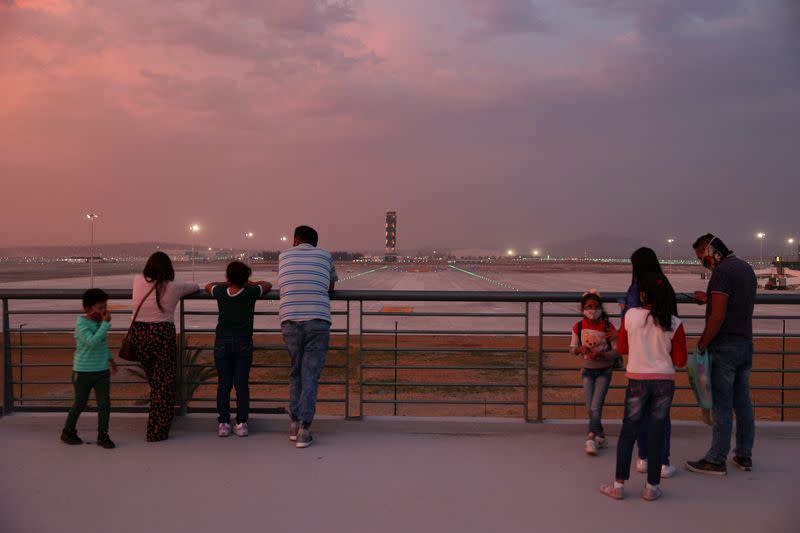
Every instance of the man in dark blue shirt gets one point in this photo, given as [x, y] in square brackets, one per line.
[728, 336]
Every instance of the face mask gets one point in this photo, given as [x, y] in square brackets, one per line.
[591, 314]
[709, 259]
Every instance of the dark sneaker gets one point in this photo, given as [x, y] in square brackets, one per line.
[303, 438]
[70, 436]
[105, 441]
[705, 467]
[743, 463]
[294, 428]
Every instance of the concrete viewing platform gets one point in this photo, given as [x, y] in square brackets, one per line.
[376, 475]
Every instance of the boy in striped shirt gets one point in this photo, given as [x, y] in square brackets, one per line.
[306, 275]
[90, 367]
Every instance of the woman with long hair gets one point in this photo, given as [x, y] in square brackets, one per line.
[644, 263]
[154, 335]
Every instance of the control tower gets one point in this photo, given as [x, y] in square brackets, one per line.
[391, 237]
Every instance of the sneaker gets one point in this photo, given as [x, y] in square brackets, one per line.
[601, 442]
[590, 447]
[294, 427]
[611, 492]
[224, 429]
[667, 471]
[70, 436]
[651, 494]
[241, 429]
[743, 463]
[704, 467]
[303, 439]
[641, 466]
[105, 441]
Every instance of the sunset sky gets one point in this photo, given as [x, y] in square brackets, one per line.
[485, 124]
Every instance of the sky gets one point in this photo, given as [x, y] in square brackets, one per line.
[485, 124]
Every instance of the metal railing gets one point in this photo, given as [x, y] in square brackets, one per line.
[494, 353]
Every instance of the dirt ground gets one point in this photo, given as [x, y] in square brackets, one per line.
[492, 381]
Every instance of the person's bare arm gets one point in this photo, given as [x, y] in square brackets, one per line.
[719, 308]
[210, 286]
[265, 286]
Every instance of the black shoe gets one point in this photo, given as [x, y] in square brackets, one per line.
[105, 441]
[705, 467]
[70, 436]
[743, 463]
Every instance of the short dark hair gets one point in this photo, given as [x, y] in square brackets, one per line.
[703, 241]
[238, 273]
[306, 234]
[94, 296]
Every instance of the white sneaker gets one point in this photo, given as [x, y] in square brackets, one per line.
[241, 429]
[641, 466]
[294, 428]
[668, 471]
[224, 429]
[590, 447]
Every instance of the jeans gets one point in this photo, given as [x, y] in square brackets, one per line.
[730, 387]
[641, 438]
[233, 357]
[653, 397]
[84, 382]
[595, 387]
[307, 343]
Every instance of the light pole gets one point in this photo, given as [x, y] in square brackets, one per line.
[91, 217]
[761, 236]
[789, 243]
[670, 242]
[194, 228]
[248, 235]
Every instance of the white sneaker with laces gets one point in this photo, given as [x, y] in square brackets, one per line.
[241, 429]
[224, 429]
[590, 447]
[641, 466]
[667, 471]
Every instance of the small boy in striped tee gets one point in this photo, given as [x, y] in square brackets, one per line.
[90, 367]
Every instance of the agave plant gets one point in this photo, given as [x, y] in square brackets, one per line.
[194, 375]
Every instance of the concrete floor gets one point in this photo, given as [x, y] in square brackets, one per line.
[373, 475]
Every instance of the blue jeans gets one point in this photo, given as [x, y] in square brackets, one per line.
[307, 343]
[233, 357]
[641, 438]
[653, 397]
[730, 387]
[595, 387]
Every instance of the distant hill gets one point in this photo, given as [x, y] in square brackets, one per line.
[137, 249]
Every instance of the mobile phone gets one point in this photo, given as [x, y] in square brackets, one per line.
[691, 298]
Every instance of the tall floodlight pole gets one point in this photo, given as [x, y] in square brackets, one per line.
[194, 228]
[789, 243]
[761, 236]
[247, 236]
[91, 217]
[670, 242]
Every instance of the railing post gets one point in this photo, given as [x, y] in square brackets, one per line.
[8, 375]
[783, 371]
[182, 389]
[347, 365]
[361, 359]
[527, 360]
[540, 367]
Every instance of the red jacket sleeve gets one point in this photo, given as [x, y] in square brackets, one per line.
[622, 339]
[679, 352]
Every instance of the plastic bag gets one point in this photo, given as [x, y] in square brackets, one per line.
[698, 367]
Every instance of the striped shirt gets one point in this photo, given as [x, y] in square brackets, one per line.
[305, 274]
[91, 345]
